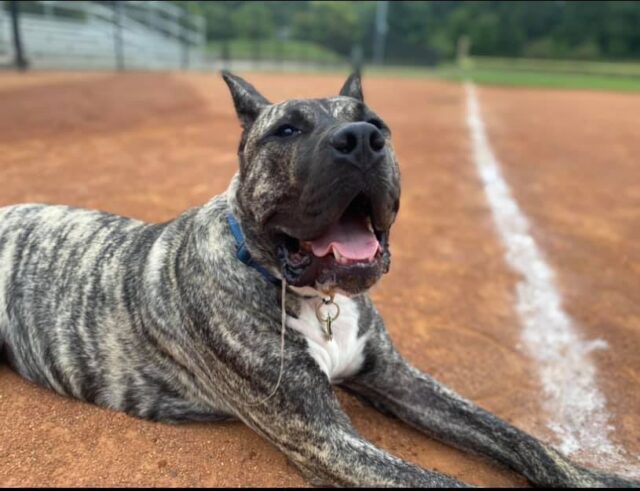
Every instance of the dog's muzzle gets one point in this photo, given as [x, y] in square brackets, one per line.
[358, 144]
[333, 235]
[348, 255]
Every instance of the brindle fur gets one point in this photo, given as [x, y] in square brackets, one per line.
[163, 322]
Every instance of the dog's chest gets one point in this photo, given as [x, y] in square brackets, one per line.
[342, 355]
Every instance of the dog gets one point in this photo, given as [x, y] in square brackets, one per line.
[251, 306]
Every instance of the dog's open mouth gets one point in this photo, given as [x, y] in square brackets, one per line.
[349, 254]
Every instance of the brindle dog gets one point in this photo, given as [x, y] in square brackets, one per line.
[181, 321]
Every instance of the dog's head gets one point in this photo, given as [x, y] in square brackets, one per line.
[318, 187]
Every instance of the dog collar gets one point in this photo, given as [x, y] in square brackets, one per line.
[243, 254]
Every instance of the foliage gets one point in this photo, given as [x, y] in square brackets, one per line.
[253, 20]
[333, 24]
[425, 32]
[611, 76]
[505, 76]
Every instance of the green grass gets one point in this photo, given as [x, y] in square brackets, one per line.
[271, 49]
[530, 73]
[509, 77]
[519, 72]
[575, 67]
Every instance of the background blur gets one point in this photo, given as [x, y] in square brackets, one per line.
[119, 106]
[556, 43]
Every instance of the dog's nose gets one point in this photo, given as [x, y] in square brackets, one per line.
[358, 143]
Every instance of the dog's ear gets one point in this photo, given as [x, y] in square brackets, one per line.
[247, 100]
[353, 87]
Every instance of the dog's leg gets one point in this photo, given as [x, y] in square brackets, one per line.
[304, 420]
[393, 386]
[300, 414]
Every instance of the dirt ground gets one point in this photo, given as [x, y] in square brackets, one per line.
[152, 145]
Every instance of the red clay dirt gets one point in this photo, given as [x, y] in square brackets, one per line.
[572, 161]
[151, 145]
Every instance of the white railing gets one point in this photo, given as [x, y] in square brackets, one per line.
[85, 35]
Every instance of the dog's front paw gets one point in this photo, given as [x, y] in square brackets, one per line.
[600, 479]
[581, 477]
[562, 473]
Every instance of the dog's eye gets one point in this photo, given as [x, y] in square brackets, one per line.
[286, 130]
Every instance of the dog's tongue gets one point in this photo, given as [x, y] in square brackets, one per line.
[351, 237]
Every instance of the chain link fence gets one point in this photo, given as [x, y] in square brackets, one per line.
[100, 35]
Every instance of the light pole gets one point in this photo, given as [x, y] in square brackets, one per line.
[382, 9]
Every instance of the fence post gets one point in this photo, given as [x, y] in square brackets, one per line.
[382, 11]
[117, 35]
[185, 19]
[356, 58]
[20, 61]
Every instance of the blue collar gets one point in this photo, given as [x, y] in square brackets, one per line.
[243, 254]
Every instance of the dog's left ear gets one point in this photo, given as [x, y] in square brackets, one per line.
[353, 87]
[247, 100]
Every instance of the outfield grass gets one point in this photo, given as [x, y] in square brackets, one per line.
[509, 77]
[575, 67]
[595, 76]
[518, 72]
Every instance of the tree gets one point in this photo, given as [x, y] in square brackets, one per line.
[253, 20]
[331, 24]
[423, 32]
[218, 18]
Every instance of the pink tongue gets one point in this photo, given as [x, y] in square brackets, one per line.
[351, 237]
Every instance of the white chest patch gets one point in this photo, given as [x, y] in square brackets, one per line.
[341, 356]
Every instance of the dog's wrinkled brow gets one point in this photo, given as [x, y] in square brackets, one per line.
[300, 115]
[346, 107]
[309, 113]
[277, 112]
[296, 116]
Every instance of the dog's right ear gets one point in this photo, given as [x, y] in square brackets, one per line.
[353, 87]
[247, 100]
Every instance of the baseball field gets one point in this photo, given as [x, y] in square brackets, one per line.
[515, 275]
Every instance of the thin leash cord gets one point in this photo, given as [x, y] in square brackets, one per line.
[283, 325]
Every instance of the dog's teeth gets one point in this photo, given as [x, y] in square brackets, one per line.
[369, 225]
[339, 258]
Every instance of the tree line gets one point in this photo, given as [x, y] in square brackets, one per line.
[427, 32]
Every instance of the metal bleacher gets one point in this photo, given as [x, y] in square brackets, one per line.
[105, 35]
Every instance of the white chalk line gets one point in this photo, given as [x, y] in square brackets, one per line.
[576, 408]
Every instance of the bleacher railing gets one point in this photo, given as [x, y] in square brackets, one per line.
[105, 35]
